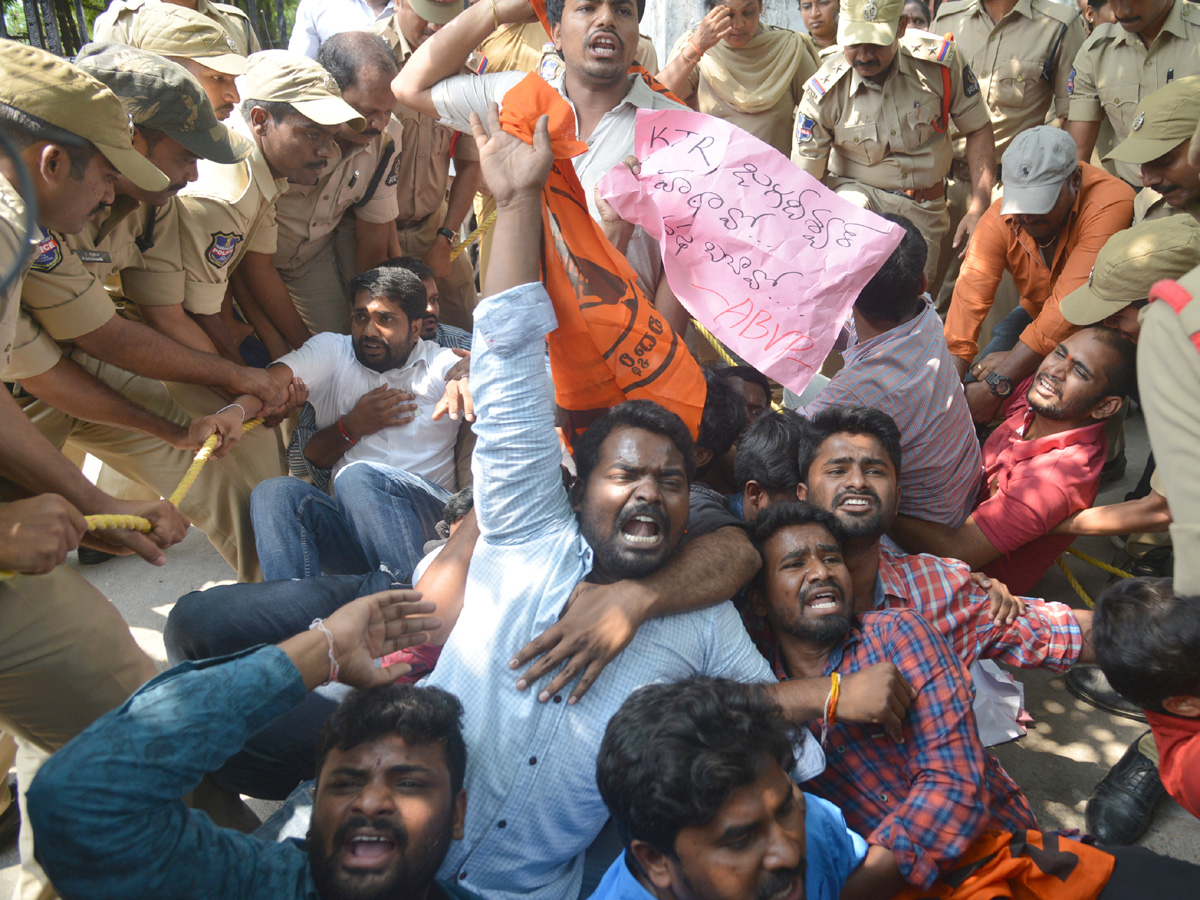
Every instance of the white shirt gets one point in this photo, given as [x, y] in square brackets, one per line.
[609, 143]
[319, 20]
[531, 767]
[336, 380]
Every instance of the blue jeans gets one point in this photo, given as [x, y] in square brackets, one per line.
[379, 518]
[1005, 335]
[234, 617]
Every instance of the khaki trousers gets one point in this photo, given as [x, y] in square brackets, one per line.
[458, 294]
[218, 503]
[320, 292]
[931, 217]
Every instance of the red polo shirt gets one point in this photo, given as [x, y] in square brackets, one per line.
[1031, 486]
[1178, 742]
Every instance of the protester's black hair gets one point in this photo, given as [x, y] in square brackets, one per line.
[673, 754]
[793, 514]
[419, 715]
[399, 286]
[894, 292]
[413, 265]
[723, 419]
[644, 414]
[459, 505]
[767, 452]
[554, 10]
[345, 56]
[1122, 379]
[749, 374]
[924, 8]
[1147, 641]
[1098, 5]
[848, 420]
[713, 4]
[26, 130]
[277, 110]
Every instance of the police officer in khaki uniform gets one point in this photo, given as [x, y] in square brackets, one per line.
[104, 394]
[1021, 52]
[116, 22]
[66, 656]
[346, 222]
[874, 123]
[1122, 63]
[292, 112]
[430, 216]
[198, 44]
[1158, 143]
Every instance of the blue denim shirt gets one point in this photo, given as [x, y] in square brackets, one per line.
[833, 851]
[106, 807]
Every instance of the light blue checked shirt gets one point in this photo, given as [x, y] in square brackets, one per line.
[532, 802]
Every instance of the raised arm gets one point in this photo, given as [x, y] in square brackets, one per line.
[444, 54]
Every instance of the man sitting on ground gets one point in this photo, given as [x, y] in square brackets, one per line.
[374, 393]
[696, 775]
[389, 801]
[940, 814]
[897, 362]
[1055, 215]
[1041, 465]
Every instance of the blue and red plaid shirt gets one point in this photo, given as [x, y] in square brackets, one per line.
[928, 799]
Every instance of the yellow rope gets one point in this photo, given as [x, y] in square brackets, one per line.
[1111, 570]
[722, 352]
[484, 227]
[138, 523]
[1074, 582]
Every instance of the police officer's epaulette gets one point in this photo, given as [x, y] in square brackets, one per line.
[1059, 12]
[827, 76]
[928, 46]
[1190, 13]
[951, 8]
[231, 9]
[1102, 36]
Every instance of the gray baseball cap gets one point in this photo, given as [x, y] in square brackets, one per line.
[160, 95]
[1036, 165]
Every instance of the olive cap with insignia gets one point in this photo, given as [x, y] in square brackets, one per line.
[437, 11]
[1037, 164]
[160, 95]
[1132, 262]
[40, 84]
[1162, 121]
[280, 76]
[869, 22]
[170, 30]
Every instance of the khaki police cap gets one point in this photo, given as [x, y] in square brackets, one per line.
[40, 84]
[279, 76]
[437, 11]
[1161, 122]
[162, 96]
[1130, 263]
[869, 21]
[170, 30]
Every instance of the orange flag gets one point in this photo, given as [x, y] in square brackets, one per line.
[611, 345]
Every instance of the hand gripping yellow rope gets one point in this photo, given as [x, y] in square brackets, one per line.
[484, 227]
[138, 523]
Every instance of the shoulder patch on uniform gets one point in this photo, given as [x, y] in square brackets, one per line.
[970, 82]
[394, 174]
[804, 129]
[1071, 82]
[221, 247]
[550, 68]
[49, 252]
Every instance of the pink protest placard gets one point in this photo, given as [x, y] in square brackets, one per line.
[761, 253]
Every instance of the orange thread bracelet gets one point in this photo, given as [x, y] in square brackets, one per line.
[699, 52]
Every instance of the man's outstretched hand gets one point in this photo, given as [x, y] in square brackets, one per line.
[512, 168]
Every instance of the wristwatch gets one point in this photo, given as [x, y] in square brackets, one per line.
[447, 234]
[1000, 385]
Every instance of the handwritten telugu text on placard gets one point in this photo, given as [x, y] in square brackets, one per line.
[761, 253]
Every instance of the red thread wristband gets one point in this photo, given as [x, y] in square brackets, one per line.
[345, 433]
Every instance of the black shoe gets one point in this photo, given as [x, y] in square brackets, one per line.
[1089, 685]
[1156, 563]
[89, 556]
[1114, 469]
[10, 820]
[1122, 804]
